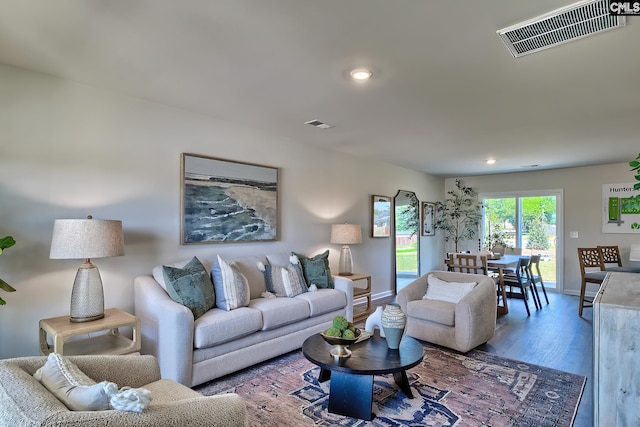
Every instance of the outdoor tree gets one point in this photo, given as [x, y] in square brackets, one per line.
[538, 234]
[459, 214]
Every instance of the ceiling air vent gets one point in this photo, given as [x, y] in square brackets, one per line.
[318, 124]
[560, 26]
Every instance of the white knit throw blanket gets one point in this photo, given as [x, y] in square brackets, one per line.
[127, 398]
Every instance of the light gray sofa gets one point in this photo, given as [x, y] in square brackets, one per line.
[462, 326]
[25, 402]
[221, 342]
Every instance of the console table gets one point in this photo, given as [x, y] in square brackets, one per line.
[616, 349]
[107, 340]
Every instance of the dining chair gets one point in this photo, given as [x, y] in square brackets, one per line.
[520, 279]
[537, 276]
[590, 260]
[468, 263]
[513, 251]
[610, 255]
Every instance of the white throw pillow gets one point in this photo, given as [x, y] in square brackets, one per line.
[284, 281]
[441, 290]
[231, 286]
[71, 386]
[80, 393]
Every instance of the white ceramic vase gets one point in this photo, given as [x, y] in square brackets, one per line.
[374, 321]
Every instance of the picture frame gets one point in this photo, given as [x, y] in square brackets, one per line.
[380, 216]
[227, 201]
[428, 212]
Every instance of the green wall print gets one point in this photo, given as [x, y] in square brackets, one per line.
[621, 208]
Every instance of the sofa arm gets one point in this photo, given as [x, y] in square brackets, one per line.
[345, 285]
[166, 328]
[476, 315]
[413, 291]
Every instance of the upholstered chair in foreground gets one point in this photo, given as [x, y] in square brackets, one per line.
[25, 402]
[454, 310]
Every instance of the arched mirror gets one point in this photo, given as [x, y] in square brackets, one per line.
[406, 235]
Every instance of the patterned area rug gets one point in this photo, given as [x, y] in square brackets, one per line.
[450, 389]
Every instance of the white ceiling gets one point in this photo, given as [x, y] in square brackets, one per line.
[445, 95]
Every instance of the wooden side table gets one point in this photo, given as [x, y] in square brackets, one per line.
[358, 292]
[109, 342]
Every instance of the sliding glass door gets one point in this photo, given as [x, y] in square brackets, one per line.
[528, 223]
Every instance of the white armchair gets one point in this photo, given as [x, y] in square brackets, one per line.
[460, 326]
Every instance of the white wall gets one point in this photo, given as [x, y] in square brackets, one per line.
[582, 188]
[69, 150]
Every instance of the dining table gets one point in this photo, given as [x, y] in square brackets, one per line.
[504, 262]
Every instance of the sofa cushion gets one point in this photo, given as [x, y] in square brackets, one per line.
[441, 290]
[324, 300]
[278, 312]
[316, 269]
[231, 286]
[287, 281]
[441, 312]
[247, 266]
[219, 326]
[190, 286]
[158, 274]
[71, 386]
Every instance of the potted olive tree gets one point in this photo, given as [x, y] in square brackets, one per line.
[6, 242]
[459, 215]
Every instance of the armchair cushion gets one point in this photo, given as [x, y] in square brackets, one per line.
[441, 312]
[451, 292]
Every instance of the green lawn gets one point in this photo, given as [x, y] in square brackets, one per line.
[407, 259]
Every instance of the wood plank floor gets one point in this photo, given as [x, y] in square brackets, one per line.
[555, 337]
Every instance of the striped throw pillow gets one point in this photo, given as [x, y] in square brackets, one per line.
[231, 286]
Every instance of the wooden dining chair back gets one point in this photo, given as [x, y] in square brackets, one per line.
[536, 276]
[512, 251]
[521, 279]
[468, 263]
[610, 255]
[591, 271]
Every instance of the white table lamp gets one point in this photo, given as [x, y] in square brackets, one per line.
[86, 239]
[634, 254]
[345, 235]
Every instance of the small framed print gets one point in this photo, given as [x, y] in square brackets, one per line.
[380, 216]
[428, 218]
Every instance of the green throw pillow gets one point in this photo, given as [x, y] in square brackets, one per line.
[190, 286]
[316, 270]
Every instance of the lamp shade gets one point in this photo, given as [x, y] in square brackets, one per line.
[86, 238]
[346, 234]
[634, 254]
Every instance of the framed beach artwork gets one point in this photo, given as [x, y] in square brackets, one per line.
[380, 216]
[226, 201]
[428, 218]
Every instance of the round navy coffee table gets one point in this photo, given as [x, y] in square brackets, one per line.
[351, 388]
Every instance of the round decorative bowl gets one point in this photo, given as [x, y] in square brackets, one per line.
[340, 345]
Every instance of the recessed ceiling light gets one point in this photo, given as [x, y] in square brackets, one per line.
[361, 74]
[491, 161]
